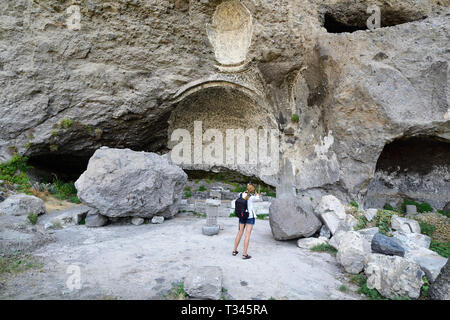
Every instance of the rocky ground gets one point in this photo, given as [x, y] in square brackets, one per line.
[144, 262]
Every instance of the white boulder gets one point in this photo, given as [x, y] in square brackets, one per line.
[370, 214]
[331, 211]
[352, 252]
[394, 276]
[204, 283]
[126, 183]
[309, 243]
[22, 205]
[404, 224]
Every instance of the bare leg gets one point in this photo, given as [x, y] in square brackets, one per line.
[239, 236]
[248, 231]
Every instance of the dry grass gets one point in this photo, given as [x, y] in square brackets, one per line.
[440, 222]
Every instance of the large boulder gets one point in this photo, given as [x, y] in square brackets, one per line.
[440, 289]
[332, 212]
[387, 245]
[290, 220]
[22, 205]
[122, 182]
[394, 276]
[352, 252]
[204, 283]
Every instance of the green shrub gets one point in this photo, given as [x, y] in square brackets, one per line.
[424, 207]
[75, 200]
[15, 172]
[372, 294]
[362, 223]
[421, 207]
[65, 123]
[354, 204]
[202, 188]
[187, 189]
[64, 190]
[187, 194]
[387, 206]
[295, 118]
[324, 248]
[33, 217]
[442, 248]
[425, 287]
[446, 213]
[383, 220]
[232, 215]
[426, 228]
[343, 288]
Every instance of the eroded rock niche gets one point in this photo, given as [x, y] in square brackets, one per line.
[416, 168]
[230, 33]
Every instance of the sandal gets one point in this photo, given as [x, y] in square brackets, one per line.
[235, 253]
[246, 257]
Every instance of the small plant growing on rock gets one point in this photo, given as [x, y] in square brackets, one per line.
[177, 292]
[65, 123]
[343, 288]
[33, 217]
[425, 287]
[202, 188]
[295, 118]
[383, 221]
[324, 248]
[354, 204]
[187, 194]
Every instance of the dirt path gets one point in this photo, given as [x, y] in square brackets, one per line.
[142, 262]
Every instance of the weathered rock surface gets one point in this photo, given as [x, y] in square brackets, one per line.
[405, 225]
[94, 219]
[352, 252]
[289, 220]
[440, 289]
[137, 221]
[157, 220]
[412, 240]
[331, 212]
[308, 243]
[22, 205]
[333, 80]
[70, 216]
[122, 182]
[387, 245]
[204, 283]
[325, 232]
[394, 276]
[429, 261]
[370, 214]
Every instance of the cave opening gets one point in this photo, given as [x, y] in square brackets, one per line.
[333, 25]
[64, 167]
[335, 21]
[416, 155]
[414, 168]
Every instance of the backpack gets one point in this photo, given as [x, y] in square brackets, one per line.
[241, 208]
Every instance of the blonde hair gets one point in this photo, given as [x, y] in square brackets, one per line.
[250, 188]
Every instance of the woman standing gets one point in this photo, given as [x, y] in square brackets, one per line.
[247, 224]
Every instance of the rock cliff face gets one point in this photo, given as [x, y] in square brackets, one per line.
[131, 72]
